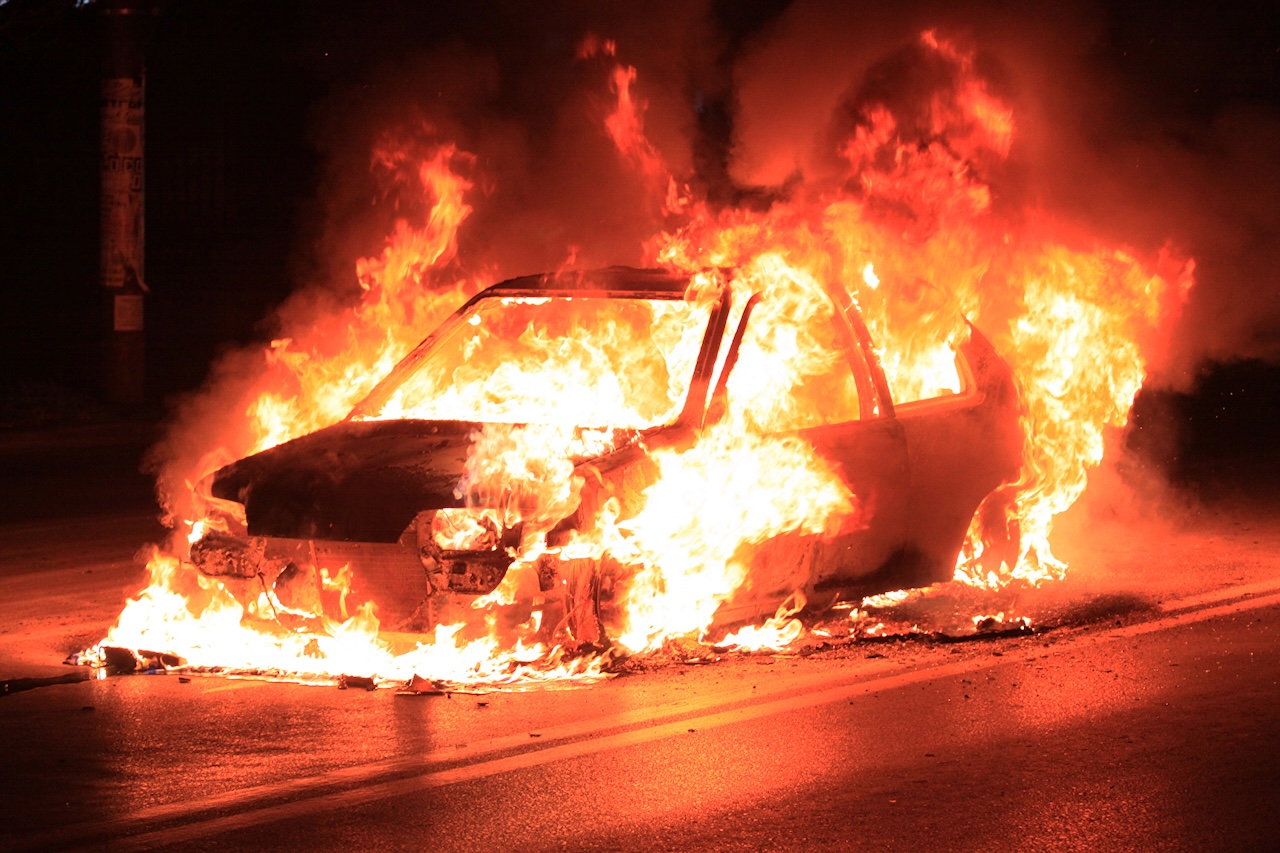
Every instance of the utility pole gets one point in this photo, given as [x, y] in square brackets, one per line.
[122, 214]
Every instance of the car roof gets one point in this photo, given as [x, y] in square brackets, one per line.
[620, 280]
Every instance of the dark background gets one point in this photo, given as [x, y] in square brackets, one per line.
[238, 94]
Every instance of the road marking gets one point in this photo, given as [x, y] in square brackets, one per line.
[1190, 616]
[237, 684]
[419, 764]
[320, 796]
[440, 778]
[1217, 595]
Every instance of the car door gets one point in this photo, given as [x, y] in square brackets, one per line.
[848, 419]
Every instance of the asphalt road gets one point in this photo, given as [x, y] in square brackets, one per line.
[1144, 716]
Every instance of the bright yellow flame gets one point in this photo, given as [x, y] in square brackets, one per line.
[869, 276]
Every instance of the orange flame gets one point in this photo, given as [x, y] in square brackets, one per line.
[910, 233]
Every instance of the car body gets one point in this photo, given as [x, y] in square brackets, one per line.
[386, 495]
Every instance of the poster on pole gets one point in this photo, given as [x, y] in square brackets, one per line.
[122, 183]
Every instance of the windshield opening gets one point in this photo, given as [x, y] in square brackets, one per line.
[586, 361]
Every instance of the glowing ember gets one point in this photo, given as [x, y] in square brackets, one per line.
[910, 234]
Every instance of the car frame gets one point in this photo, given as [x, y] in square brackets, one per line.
[366, 493]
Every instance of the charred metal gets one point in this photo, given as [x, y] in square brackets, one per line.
[383, 496]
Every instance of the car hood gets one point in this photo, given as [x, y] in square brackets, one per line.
[359, 481]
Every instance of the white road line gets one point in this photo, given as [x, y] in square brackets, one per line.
[371, 790]
[440, 778]
[1228, 594]
[365, 773]
[236, 684]
[1188, 617]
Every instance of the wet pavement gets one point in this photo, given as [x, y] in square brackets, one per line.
[1144, 717]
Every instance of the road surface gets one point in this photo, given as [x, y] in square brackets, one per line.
[1144, 715]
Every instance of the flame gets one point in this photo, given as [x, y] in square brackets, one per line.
[911, 234]
[779, 631]
[559, 360]
[911, 231]
[313, 382]
[707, 504]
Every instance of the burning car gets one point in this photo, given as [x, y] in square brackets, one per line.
[514, 447]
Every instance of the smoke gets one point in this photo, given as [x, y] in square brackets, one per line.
[1142, 126]
[515, 94]
[507, 88]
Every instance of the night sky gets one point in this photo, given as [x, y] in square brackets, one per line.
[260, 116]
